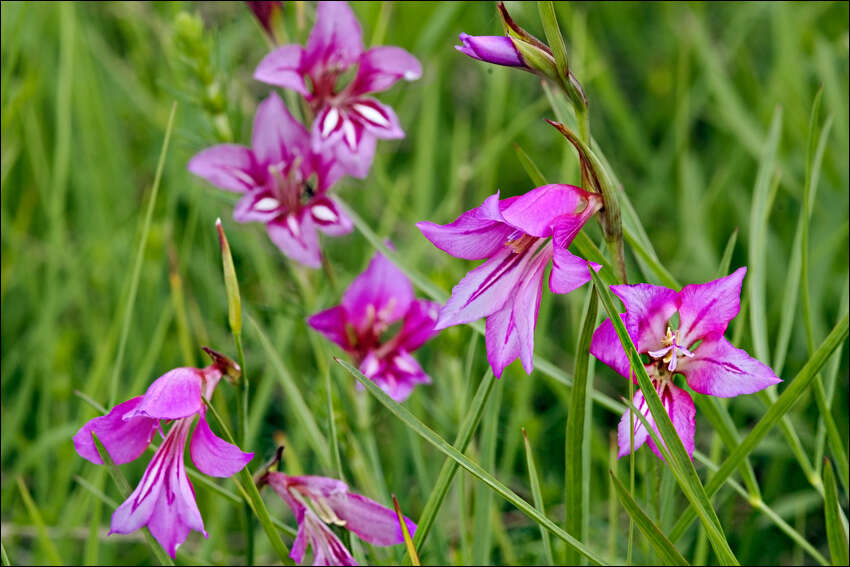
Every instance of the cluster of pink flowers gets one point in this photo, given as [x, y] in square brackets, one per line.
[286, 179]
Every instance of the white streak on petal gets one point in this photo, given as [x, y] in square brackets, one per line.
[292, 224]
[350, 136]
[371, 115]
[404, 365]
[266, 204]
[324, 213]
[330, 122]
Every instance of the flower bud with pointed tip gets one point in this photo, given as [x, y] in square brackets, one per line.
[496, 49]
[226, 365]
[231, 284]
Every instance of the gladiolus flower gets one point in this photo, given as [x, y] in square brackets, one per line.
[283, 181]
[518, 236]
[375, 300]
[345, 118]
[696, 349]
[497, 49]
[164, 500]
[318, 502]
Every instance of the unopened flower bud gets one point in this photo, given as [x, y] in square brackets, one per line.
[496, 49]
[231, 284]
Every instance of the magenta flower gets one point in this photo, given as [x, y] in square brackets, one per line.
[695, 348]
[345, 118]
[164, 500]
[518, 236]
[283, 181]
[266, 12]
[318, 501]
[498, 49]
[375, 300]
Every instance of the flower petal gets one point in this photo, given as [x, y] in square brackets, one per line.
[419, 322]
[297, 238]
[569, 272]
[175, 394]
[277, 137]
[257, 206]
[336, 41]
[376, 118]
[501, 339]
[396, 374]
[227, 166]
[215, 456]
[282, 68]
[374, 523]
[648, 310]
[535, 212]
[606, 346]
[327, 547]
[680, 408]
[706, 309]
[332, 323]
[382, 293]
[329, 218]
[123, 439]
[380, 68]
[496, 49]
[476, 234]
[486, 289]
[354, 162]
[624, 440]
[720, 369]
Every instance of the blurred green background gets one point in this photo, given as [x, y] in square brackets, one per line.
[681, 99]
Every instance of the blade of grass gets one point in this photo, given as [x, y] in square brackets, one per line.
[835, 533]
[443, 446]
[575, 484]
[483, 542]
[124, 491]
[663, 547]
[35, 515]
[408, 542]
[137, 266]
[293, 395]
[3, 556]
[772, 416]
[537, 496]
[447, 472]
[680, 463]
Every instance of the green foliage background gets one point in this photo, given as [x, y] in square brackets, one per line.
[681, 99]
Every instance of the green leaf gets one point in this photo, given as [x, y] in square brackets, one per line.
[835, 533]
[665, 549]
[447, 472]
[443, 446]
[679, 461]
[554, 37]
[726, 260]
[43, 537]
[792, 393]
[575, 483]
[534, 480]
[408, 542]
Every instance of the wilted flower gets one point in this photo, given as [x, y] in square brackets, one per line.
[266, 11]
[164, 500]
[518, 236]
[318, 502]
[284, 182]
[345, 118]
[694, 348]
[378, 298]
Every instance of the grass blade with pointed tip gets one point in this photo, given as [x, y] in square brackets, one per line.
[680, 463]
[43, 537]
[574, 482]
[775, 412]
[534, 480]
[443, 446]
[835, 533]
[408, 542]
[665, 549]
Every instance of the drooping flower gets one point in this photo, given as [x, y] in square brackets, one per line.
[283, 181]
[164, 499]
[695, 348]
[518, 236]
[346, 119]
[318, 502]
[376, 299]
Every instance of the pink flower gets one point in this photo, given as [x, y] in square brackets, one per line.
[375, 300]
[518, 236]
[696, 349]
[318, 501]
[345, 118]
[497, 49]
[283, 181]
[164, 500]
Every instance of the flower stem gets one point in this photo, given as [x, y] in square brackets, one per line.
[242, 413]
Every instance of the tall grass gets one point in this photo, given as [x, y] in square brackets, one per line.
[704, 111]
